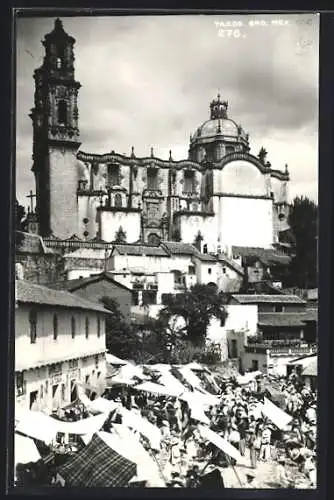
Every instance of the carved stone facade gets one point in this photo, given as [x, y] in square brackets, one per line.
[152, 199]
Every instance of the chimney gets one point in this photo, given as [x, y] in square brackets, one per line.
[19, 273]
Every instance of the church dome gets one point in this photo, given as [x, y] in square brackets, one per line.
[219, 124]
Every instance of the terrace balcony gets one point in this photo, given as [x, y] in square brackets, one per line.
[279, 347]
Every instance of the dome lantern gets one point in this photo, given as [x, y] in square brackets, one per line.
[218, 108]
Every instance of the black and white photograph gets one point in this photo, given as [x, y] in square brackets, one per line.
[166, 250]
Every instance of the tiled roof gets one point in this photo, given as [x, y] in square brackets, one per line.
[204, 257]
[268, 299]
[229, 262]
[31, 293]
[72, 285]
[265, 255]
[148, 250]
[179, 248]
[282, 319]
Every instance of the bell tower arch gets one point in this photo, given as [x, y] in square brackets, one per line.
[56, 135]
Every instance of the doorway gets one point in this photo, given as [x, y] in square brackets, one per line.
[33, 399]
[255, 365]
[74, 391]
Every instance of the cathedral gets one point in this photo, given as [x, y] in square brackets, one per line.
[222, 195]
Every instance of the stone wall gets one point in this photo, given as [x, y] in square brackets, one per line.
[42, 269]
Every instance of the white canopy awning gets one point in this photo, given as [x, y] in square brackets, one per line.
[124, 443]
[142, 425]
[221, 443]
[197, 413]
[168, 380]
[81, 427]
[102, 405]
[248, 377]
[158, 389]
[192, 379]
[45, 428]
[37, 425]
[25, 450]
[277, 416]
[198, 398]
[114, 360]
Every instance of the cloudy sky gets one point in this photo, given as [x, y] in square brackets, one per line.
[147, 82]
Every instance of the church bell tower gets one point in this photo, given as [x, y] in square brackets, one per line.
[56, 136]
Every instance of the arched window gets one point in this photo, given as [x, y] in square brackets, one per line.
[73, 327]
[55, 327]
[59, 63]
[114, 178]
[152, 178]
[62, 112]
[118, 200]
[87, 327]
[153, 239]
[33, 326]
[205, 248]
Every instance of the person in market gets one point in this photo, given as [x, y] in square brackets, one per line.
[242, 429]
[193, 477]
[251, 446]
[265, 450]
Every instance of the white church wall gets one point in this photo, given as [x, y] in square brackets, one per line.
[277, 187]
[190, 225]
[241, 177]
[245, 221]
[112, 221]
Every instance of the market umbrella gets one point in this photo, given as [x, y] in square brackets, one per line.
[25, 450]
[98, 465]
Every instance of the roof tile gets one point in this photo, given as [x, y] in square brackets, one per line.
[268, 299]
[282, 319]
[31, 293]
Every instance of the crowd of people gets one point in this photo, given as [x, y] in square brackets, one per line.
[188, 459]
[238, 420]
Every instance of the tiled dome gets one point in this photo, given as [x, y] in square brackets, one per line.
[220, 126]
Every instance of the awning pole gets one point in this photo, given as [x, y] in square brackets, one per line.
[234, 469]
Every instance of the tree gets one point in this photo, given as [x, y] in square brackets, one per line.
[197, 307]
[303, 220]
[121, 338]
[120, 236]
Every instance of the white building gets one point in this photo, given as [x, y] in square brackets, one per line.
[222, 192]
[59, 341]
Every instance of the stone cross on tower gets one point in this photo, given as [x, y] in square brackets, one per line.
[31, 196]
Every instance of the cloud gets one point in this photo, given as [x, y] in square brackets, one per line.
[147, 82]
